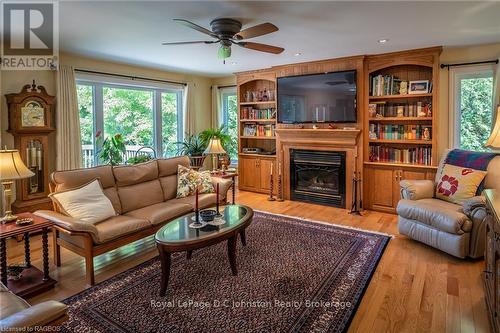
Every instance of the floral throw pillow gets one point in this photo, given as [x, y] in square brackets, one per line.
[458, 184]
[188, 180]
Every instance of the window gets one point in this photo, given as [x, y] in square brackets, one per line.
[230, 119]
[471, 98]
[144, 115]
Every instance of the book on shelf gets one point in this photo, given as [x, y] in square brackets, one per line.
[419, 155]
[400, 132]
[385, 85]
[384, 109]
[251, 113]
[259, 130]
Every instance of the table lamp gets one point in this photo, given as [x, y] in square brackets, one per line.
[494, 139]
[214, 148]
[11, 168]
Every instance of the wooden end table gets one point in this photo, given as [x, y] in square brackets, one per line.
[228, 175]
[33, 281]
[177, 236]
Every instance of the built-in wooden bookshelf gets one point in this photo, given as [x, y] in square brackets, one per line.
[400, 127]
[256, 129]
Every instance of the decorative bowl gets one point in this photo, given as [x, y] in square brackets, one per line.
[208, 215]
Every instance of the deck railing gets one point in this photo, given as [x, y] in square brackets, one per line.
[88, 154]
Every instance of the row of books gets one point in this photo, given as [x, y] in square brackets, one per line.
[251, 113]
[382, 85]
[259, 130]
[420, 155]
[417, 109]
[400, 132]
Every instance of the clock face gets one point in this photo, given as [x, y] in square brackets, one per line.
[32, 115]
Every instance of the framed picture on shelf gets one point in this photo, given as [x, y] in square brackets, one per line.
[418, 87]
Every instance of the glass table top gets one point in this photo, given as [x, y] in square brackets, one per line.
[178, 230]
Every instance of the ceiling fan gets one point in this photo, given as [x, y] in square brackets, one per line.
[227, 32]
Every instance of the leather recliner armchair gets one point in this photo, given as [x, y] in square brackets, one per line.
[455, 229]
[16, 315]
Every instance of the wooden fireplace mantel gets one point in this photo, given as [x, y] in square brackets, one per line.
[321, 140]
[319, 136]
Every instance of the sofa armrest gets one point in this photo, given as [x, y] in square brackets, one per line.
[37, 315]
[416, 189]
[224, 185]
[67, 222]
[475, 209]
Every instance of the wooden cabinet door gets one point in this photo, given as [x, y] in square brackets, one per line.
[249, 173]
[265, 174]
[381, 188]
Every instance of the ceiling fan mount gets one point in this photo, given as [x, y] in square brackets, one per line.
[227, 31]
[225, 28]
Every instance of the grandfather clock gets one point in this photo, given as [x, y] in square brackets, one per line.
[30, 122]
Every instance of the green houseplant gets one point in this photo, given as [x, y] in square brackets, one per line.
[112, 149]
[193, 147]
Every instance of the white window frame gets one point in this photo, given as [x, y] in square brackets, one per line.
[98, 82]
[456, 74]
[223, 92]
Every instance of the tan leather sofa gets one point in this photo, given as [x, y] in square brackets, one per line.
[455, 229]
[16, 315]
[144, 197]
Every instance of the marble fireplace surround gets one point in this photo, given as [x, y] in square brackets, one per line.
[319, 140]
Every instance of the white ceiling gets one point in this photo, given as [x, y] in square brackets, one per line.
[132, 31]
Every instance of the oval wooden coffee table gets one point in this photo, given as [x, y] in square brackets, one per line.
[177, 236]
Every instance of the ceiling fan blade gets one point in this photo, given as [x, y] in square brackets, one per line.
[196, 27]
[258, 30]
[261, 47]
[193, 42]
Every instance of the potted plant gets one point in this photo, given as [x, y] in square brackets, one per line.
[112, 148]
[193, 147]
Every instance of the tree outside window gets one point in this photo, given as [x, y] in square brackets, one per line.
[143, 116]
[230, 120]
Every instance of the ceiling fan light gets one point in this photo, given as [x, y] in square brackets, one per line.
[224, 52]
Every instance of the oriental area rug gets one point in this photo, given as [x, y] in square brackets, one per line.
[293, 276]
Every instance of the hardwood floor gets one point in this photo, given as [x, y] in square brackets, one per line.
[414, 289]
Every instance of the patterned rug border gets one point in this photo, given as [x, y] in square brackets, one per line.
[293, 219]
[305, 219]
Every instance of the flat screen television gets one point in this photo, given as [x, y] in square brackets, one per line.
[318, 98]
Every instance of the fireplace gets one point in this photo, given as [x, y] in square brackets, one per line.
[318, 177]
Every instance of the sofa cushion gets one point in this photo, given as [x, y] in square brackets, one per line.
[140, 195]
[69, 179]
[126, 175]
[86, 203]
[169, 187]
[204, 200]
[118, 226]
[161, 212]
[168, 166]
[10, 303]
[189, 181]
[439, 214]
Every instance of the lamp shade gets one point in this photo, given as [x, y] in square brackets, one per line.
[494, 139]
[12, 166]
[214, 147]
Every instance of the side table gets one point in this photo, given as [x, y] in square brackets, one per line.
[33, 281]
[227, 175]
